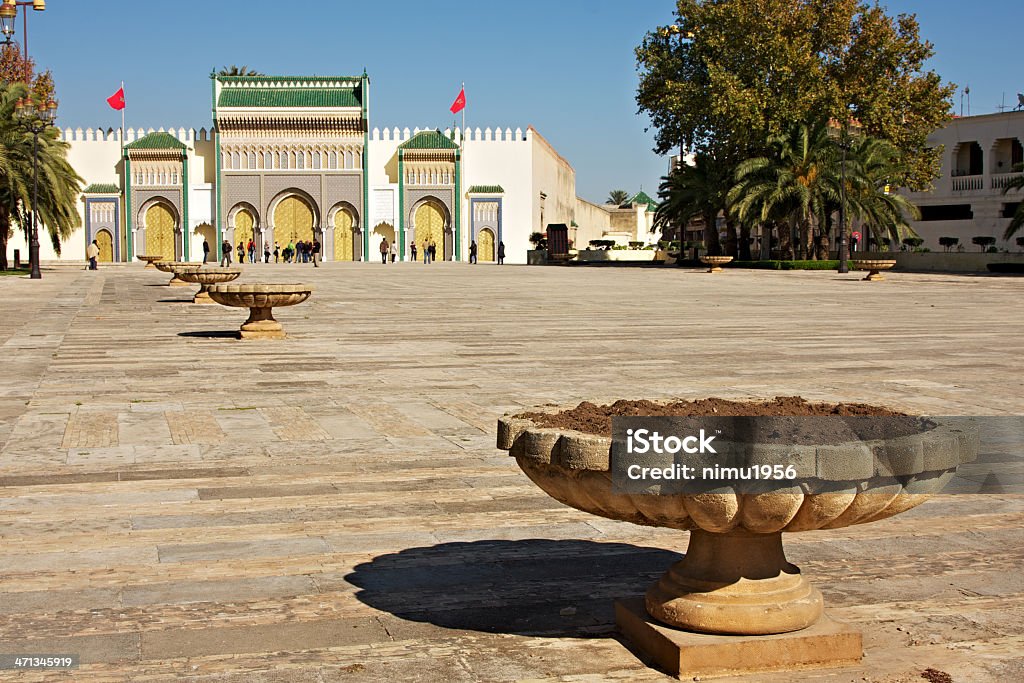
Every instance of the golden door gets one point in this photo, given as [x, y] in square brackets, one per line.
[106, 244]
[343, 236]
[485, 245]
[160, 232]
[429, 224]
[293, 221]
[243, 228]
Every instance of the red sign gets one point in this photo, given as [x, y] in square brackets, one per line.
[856, 236]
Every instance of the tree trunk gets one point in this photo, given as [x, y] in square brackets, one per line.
[731, 241]
[806, 239]
[711, 243]
[5, 231]
[745, 242]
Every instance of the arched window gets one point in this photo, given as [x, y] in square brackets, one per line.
[252, 159]
[309, 159]
[348, 160]
[333, 160]
[316, 160]
[235, 160]
[359, 160]
[283, 160]
[174, 177]
[268, 160]
[300, 160]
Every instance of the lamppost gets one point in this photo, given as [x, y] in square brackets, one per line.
[9, 12]
[35, 119]
[845, 144]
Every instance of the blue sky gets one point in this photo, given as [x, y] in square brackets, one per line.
[566, 66]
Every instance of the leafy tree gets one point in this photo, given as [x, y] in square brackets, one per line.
[948, 243]
[730, 75]
[238, 71]
[1018, 217]
[617, 197]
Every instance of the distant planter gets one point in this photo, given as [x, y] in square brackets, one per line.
[874, 268]
[715, 263]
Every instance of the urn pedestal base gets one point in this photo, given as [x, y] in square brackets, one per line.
[261, 325]
[824, 644]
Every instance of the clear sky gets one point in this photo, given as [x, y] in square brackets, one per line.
[566, 67]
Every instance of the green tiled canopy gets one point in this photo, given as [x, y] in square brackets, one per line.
[157, 141]
[288, 97]
[486, 189]
[102, 188]
[640, 197]
[429, 139]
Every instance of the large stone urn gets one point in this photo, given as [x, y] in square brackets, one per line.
[715, 263]
[735, 579]
[150, 260]
[174, 268]
[205, 277]
[260, 299]
[874, 267]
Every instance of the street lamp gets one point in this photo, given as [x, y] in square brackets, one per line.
[8, 13]
[845, 144]
[35, 119]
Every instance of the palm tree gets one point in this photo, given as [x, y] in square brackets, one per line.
[793, 185]
[692, 191]
[617, 197]
[238, 71]
[59, 184]
[1018, 217]
[872, 162]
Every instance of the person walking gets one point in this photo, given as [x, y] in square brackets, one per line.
[206, 251]
[266, 252]
[384, 251]
[92, 252]
[392, 252]
[289, 252]
[426, 252]
[241, 253]
[315, 251]
[277, 252]
[472, 251]
[433, 251]
[225, 254]
[252, 252]
[501, 253]
[412, 250]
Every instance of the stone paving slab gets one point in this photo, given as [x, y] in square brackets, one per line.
[333, 507]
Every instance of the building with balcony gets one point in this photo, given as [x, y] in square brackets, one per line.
[979, 158]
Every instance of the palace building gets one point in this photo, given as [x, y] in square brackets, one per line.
[297, 158]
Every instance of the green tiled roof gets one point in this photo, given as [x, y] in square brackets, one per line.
[102, 188]
[486, 189]
[288, 97]
[429, 139]
[286, 79]
[640, 197]
[156, 141]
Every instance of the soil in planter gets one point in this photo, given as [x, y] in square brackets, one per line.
[594, 419]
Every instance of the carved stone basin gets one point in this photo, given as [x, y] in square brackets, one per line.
[205, 277]
[715, 263]
[150, 260]
[874, 266]
[175, 267]
[260, 299]
[734, 578]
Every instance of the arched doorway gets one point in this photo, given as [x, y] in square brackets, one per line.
[244, 223]
[209, 235]
[105, 242]
[382, 231]
[344, 236]
[485, 245]
[160, 225]
[293, 221]
[428, 222]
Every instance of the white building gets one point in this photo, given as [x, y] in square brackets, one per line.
[979, 155]
[295, 158]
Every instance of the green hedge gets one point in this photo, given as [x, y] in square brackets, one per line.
[786, 265]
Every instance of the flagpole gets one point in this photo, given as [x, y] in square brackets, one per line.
[122, 118]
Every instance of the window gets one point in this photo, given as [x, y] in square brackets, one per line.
[334, 160]
[300, 160]
[947, 212]
[348, 160]
[316, 161]
[283, 163]
[174, 178]
[268, 160]
[235, 163]
[252, 159]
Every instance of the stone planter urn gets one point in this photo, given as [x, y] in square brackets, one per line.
[150, 260]
[175, 267]
[874, 268]
[715, 263]
[734, 580]
[260, 300]
[205, 277]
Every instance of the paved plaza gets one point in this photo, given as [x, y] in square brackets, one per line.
[332, 507]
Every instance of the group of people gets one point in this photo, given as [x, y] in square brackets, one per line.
[429, 251]
[473, 252]
[295, 252]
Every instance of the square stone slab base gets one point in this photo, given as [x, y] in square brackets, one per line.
[262, 334]
[684, 654]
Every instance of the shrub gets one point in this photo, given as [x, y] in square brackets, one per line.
[786, 265]
[983, 241]
[948, 243]
[539, 240]
[913, 242]
[636, 245]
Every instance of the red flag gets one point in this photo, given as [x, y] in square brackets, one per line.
[117, 99]
[460, 102]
